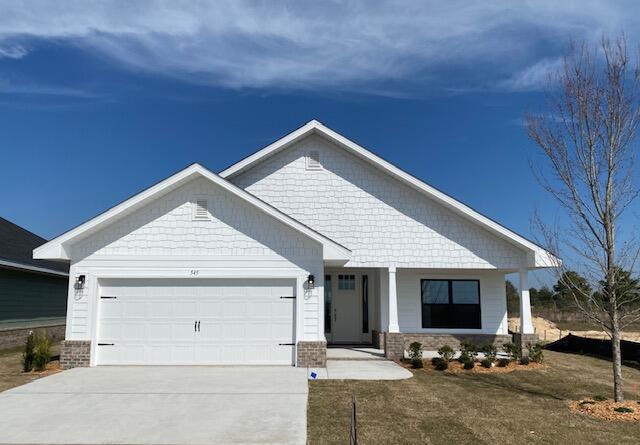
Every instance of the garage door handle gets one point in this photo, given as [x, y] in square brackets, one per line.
[198, 326]
[195, 326]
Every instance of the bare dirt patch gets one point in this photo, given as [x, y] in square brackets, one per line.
[606, 409]
[51, 368]
[549, 331]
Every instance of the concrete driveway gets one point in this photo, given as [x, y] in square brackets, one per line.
[159, 405]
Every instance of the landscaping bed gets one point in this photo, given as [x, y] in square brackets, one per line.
[457, 367]
[628, 411]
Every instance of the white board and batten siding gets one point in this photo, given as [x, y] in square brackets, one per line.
[163, 240]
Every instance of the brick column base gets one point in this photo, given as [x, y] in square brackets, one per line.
[393, 345]
[75, 354]
[523, 340]
[377, 338]
[312, 353]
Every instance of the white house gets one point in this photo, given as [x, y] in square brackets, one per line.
[311, 240]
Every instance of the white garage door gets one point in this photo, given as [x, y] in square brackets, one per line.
[183, 322]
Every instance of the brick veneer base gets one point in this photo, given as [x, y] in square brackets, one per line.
[10, 338]
[312, 353]
[75, 354]
[377, 338]
[395, 344]
[523, 340]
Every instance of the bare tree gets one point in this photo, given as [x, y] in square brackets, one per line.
[588, 139]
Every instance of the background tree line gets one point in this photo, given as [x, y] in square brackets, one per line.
[562, 296]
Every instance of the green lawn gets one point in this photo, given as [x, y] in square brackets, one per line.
[437, 408]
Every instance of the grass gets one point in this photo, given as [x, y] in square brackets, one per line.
[11, 374]
[436, 408]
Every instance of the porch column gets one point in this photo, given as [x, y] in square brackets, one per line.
[526, 325]
[393, 301]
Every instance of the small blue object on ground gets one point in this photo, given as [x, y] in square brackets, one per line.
[314, 375]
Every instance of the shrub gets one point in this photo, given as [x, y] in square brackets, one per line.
[503, 362]
[446, 353]
[486, 363]
[42, 351]
[623, 409]
[599, 398]
[536, 352]
[440, 363]
[415, 351]
[512, 350]
[469, 349]
[416, 363]
[490, 351]
[468, 364]
[524, 361]
[28, 354]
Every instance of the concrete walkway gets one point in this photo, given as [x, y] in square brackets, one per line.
[361, 370]
[159, 405]
[358, 363]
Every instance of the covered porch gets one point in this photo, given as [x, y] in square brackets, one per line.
[388, 308]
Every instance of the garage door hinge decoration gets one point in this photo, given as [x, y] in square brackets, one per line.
[289, 297]
[286, 344]
[106, 344]
[108, 298]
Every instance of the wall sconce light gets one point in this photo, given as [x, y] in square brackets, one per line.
[311, 282]
[79, 284]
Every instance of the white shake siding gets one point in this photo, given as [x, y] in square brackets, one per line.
[381, 220]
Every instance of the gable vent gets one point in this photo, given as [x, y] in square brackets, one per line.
[200, 210]
[313, 161]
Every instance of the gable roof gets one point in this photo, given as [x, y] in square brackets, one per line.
[538, 255]
[57, 248]
[16, 245]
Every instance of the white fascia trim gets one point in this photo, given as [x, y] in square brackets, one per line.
[55, 249]
[543, 258]
[44, 270]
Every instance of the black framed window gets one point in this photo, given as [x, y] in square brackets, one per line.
[451, 304]
[365, 304]
[346, 282]
[328, 295]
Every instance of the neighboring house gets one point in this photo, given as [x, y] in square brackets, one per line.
[310, 240]
[33, 293]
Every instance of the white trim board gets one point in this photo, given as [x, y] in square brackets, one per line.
[44, 270]
[540, 257]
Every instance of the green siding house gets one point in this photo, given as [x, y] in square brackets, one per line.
[33, 293]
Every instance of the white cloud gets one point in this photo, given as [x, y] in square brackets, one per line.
[534, 77]
[319, 45]
[10, 51]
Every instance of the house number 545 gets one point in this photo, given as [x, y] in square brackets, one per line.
[194, 272]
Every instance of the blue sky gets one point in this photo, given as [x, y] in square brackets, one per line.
[98, 101]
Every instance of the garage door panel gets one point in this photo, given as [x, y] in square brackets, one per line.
[241, 321]
[134, 331]
[183, 308]
[161, 309]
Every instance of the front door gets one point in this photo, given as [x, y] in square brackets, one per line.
[346, 309]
